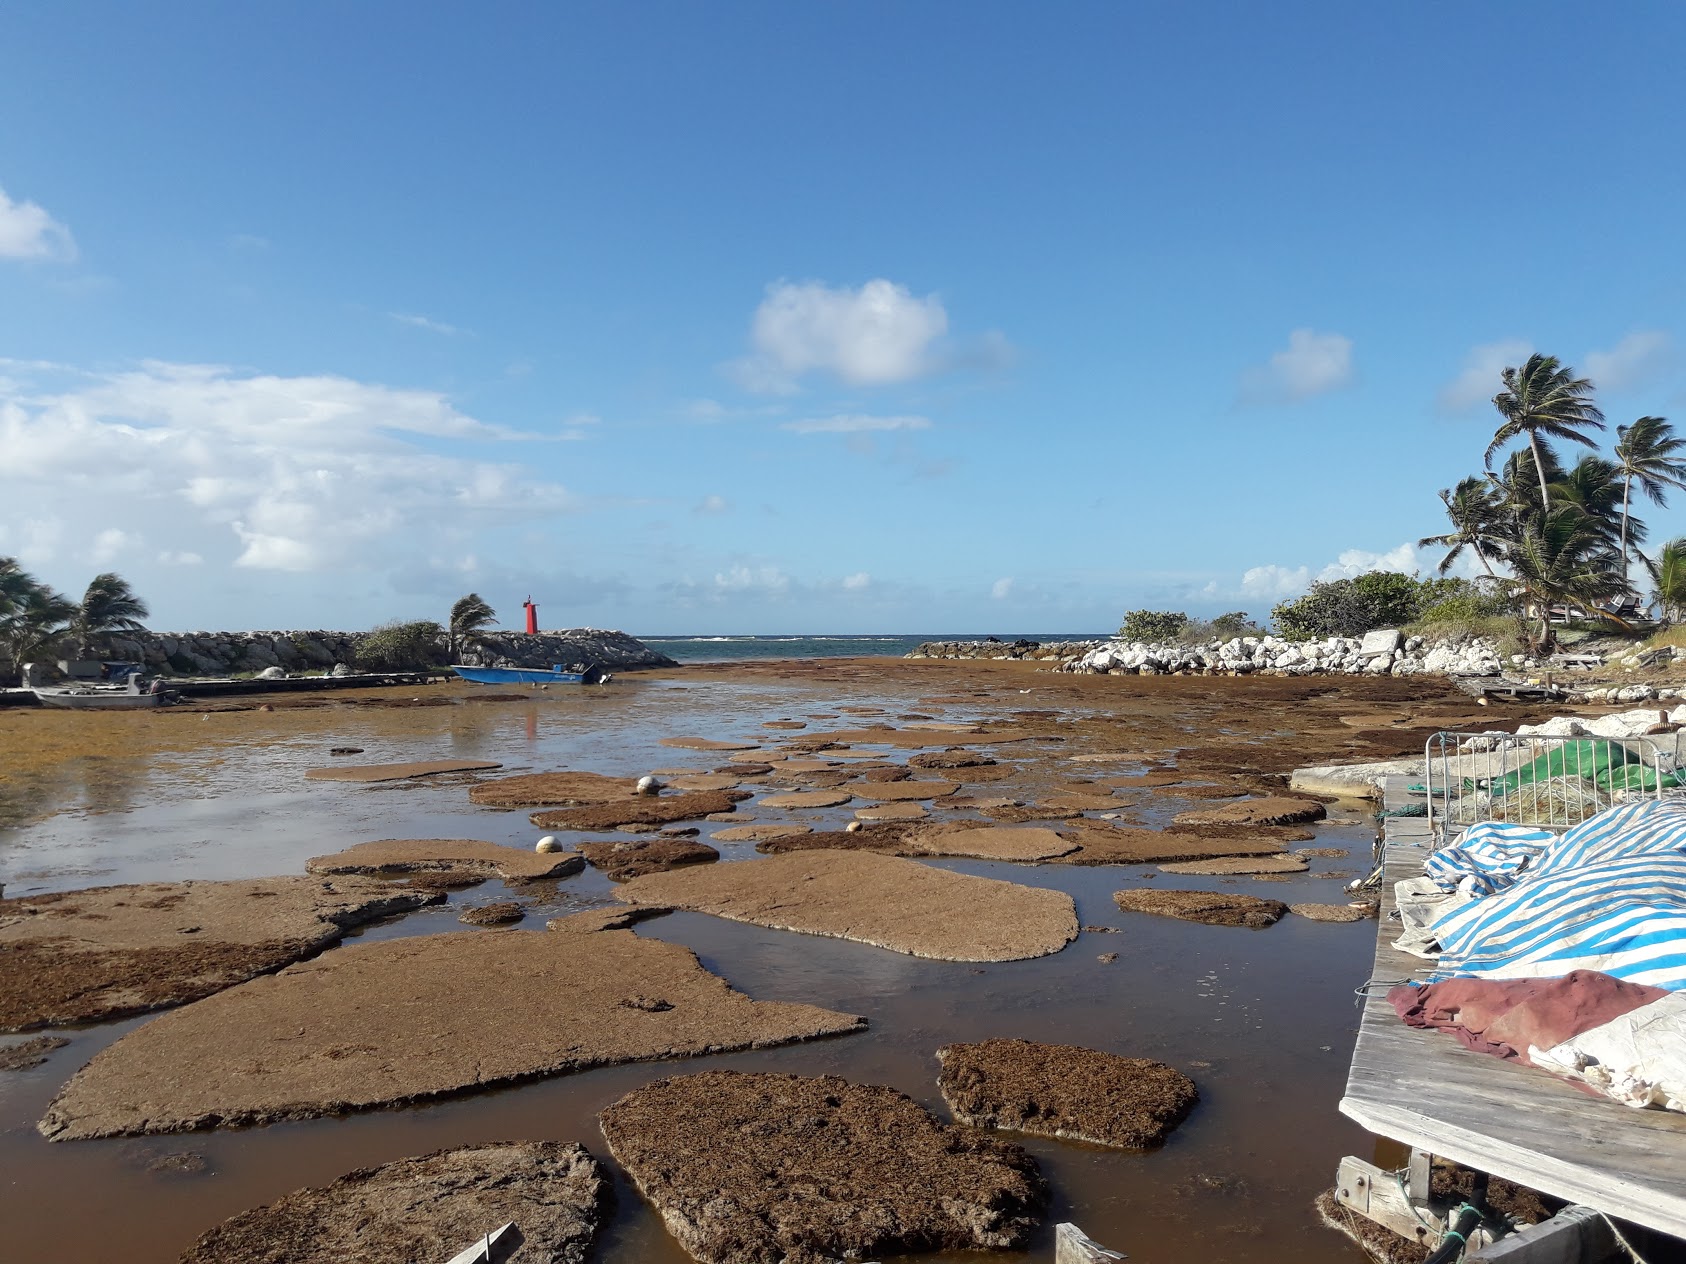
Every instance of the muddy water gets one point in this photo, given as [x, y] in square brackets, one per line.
[1264, 1021]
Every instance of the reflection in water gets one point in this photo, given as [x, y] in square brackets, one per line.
[1263, 1021]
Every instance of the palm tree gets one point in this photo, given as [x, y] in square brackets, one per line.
[1596, 487]
[1519, 488]
[1669, 571]
[1543, 397]
[1475, 508]
[1645, 453]
[470, 617]
[1561, 558]
[109, 605]
[32, 615]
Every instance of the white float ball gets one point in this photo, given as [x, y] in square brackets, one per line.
[649, 785]
[853, 827]
[548, 844]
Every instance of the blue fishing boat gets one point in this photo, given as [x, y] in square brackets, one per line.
[572, 674]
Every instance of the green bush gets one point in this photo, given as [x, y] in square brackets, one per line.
[1227, 627]
[1352, 607]
[401, 646]
[1152, 625]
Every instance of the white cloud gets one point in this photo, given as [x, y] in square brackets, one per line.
[856, 582]
[1270, 583]
[1312, 364]
[741, 578]
[1640, 358]
[1274, 583]
[713, 505]
[423, 322]
[577, 426]
[172, 557]
[28, 232]
[873, 336]
[1001, 589]
[306, 474]
[109, 544]
[854, 423]
[1479, 380]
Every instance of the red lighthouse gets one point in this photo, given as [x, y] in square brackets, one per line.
[532, 615]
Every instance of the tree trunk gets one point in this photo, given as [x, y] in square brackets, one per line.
[1627, 490]
[1539, 468]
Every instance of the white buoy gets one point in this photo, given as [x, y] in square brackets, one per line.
[649, 785]
[853, 827]
[548, 844]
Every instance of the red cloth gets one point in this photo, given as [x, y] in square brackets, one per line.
[1504, 1017]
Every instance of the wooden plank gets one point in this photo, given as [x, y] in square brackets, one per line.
[495, 1248]
[1380, 1196]
[1575, 1235]
[1425, 1090]
[1073, 1246]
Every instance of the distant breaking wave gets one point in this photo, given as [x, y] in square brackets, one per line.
[701, 649]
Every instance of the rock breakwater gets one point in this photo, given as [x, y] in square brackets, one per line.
[1041, 651]
[223, 653]
[1383, 653]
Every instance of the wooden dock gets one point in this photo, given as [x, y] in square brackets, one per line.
[1427, 1091]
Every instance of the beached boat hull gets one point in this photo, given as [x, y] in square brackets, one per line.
[530, 676]
[97, 700]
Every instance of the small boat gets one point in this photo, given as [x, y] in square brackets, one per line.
[93, 698]
[575, 674]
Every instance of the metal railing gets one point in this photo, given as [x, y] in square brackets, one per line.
[1550, 783]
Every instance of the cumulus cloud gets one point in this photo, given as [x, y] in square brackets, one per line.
[872, 336]
[1638, 359]
[28, 232]
[857, 581]
[110, 544]
[306, 474]
[1001, 589]
[1311, 364]
[713, 505]
[175, 557]
[1274, 583]
[1479, 380]
[855, 423]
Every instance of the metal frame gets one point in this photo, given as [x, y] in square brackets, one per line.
[1461, 768]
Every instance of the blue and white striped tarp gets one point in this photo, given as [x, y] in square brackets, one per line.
[1608, 895]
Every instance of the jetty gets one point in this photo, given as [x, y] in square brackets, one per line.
[1425, 1091]
[220, 687]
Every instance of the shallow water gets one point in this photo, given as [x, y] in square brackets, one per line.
[1263, 1021]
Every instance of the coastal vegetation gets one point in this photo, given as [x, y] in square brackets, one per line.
[36, 620]
[471, 616]
[1555, 542]
[401, 645]
[1175, 625]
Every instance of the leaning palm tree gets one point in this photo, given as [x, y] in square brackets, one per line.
[32, 615]
[1543, 397]
[1518, 485]
[470, 617]
[109, 605]
[1596, 487]
[1647, 453]
[1560, 558]
[1475, 508]
[1669, 572]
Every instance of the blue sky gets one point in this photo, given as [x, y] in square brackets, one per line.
[799, 318]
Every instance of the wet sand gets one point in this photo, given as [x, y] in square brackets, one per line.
[1263, 1021]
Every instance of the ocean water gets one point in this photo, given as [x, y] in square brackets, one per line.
[713, 649]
